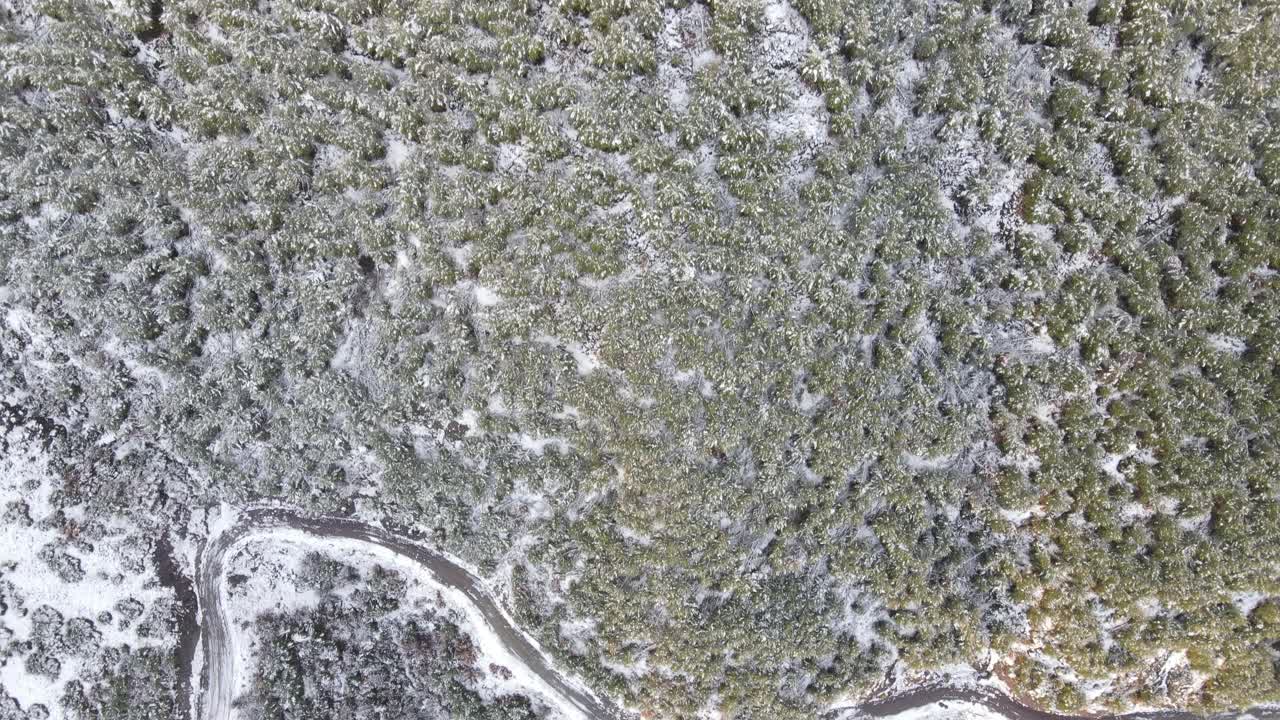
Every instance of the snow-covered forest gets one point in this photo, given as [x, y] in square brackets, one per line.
[759, 353]
[339, 642]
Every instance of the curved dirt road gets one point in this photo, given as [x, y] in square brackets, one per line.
[218, 682]
[219, 661]
[1009, 708]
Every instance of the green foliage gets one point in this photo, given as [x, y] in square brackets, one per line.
[734, 313]
[350, 656]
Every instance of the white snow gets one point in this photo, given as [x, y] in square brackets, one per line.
[535, 506]
[920, 463]
[587, 362]
[809, 401]
[1019, 516]
[704, 58]
[538, 446]
[631, 671]
[486, 297]
[27, 689]
[269, 569]
[578, 634]
[397, 152]
[1133, 511]
[218, 520]
[512, 156]
[1247, 601]
[1228, 344]
[24, 475]
[346, 354]
[860, 623]
[634, 536]
[471, 419]
[786, 33]
[1194, 523]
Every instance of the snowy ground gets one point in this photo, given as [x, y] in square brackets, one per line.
[115, 567]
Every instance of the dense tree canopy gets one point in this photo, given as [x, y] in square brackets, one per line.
[771, 342]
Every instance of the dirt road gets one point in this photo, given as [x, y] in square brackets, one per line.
[219, 658]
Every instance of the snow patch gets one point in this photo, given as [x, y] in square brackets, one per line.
[485, 297]
[1228, 344]
[587, 362]
[397, 152]
[114, 564]
[1245, 602]
[538, 446]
